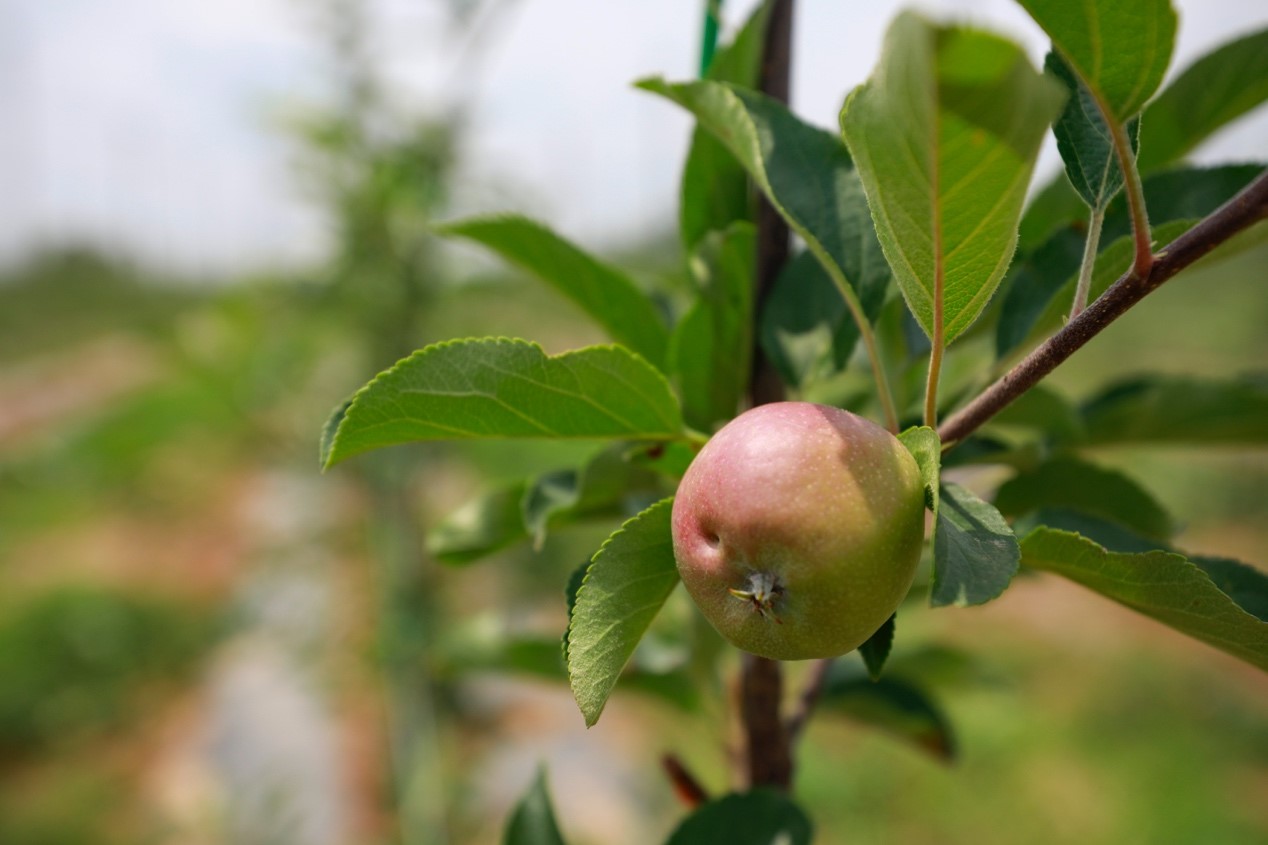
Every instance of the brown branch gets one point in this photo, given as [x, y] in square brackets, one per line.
[1239, 213]
[768, 762]
[766, 757]
[686, 787]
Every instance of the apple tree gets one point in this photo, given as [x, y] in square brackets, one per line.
[854, 267]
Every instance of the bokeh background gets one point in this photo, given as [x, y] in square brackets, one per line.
[213, 228]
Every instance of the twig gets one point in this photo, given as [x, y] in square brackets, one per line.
[769, 762]
[810, 696]
[686, 787]
[1239, 213]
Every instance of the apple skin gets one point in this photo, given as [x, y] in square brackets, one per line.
[797, 529]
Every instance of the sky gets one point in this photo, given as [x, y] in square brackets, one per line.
[154, 127]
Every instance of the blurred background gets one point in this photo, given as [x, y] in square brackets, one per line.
[213, 228]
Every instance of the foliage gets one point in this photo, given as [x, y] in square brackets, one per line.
[924, 186]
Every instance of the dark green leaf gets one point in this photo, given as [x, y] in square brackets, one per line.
[875, 650]
[1180, 409]
[1034, 284]
[897, 707]
[1045, 411]
[806, 174]
[1161, 585]
[1245, 585]
[605, 293]
[945, 136]
[1069, 482]
[805, 329]
[495, 387]
[1120, 48]
[481, 527]
[1107, 533]
[975, 553]
[1084, 139]
[1211, 93]
[1187, 193]
[760, 817]
[533, 821]
[715, 189]
[926, 448]
[1055, 206]
[627, 582]
[1034, 306]
[711, 347]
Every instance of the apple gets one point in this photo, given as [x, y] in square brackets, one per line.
[797, 529]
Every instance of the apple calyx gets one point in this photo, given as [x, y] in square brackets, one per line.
[763, 591]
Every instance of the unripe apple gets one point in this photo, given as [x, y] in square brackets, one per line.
[798, 528]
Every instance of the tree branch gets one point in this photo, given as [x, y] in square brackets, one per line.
[767, 761]
[686, 786]
[1239, 213]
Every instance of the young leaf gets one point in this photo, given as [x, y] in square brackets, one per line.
[715, 190]
[1180, 409]
[710, 350]
[875, 651]
[607, 294]
[925, 447]
[533, 821]
[1211, 93]
[627, 582]
[896, 707]
[495, 387]
[1084, 140]
[1120, 48]
[1069, 482]
[761, 817]
[806, 174]
[945, 136]
[1161, 585]
[975, 553]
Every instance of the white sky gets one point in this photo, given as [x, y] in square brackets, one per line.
[147, 124]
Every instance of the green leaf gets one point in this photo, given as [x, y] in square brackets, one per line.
[975, 553]
[715, 191]
[1120, 48]
[1110, 534]
[495, 387]
[926, 448]
[533, 820]
[1180, 410]
[945, 136]
[1211, 93]
[604, 486]
[805, 329]
[1069, 482]
[711, 348]
[605, 293]
[482, 526]
[876, 649]
[1084, 140]
[1161, 585]
[896, 707]
[628, 580]
[763, 816]
[806, 174]
[1053, 207]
